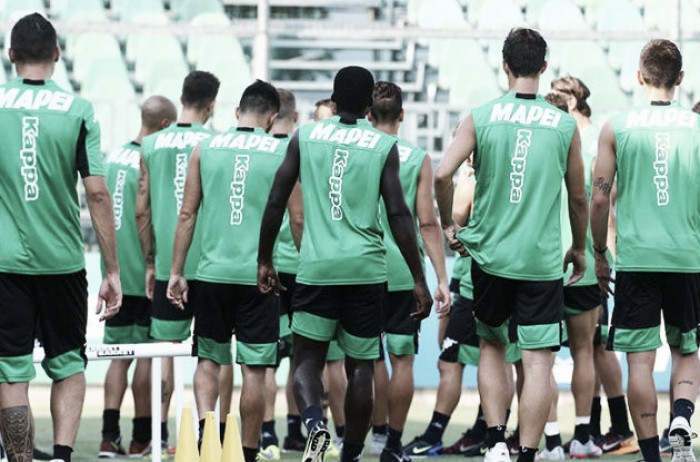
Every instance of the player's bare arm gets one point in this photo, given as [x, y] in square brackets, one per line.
[144, 224]
[285, 180]
[177, 286]
[459, 151]
[295, 207]
[432, 235]
[578, 209]
[463, 199]
[603, 177]
[403, 229]
[99, 203]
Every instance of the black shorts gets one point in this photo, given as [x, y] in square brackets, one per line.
[460, 330]
[164, 310]
[578, 299]
[289, 281]
[454, 285]
[538, 305]
[56, 306]
[601, 331]
[641, 298]
[401, 331]
[135, 311]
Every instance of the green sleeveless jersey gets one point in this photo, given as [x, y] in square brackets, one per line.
[122, 176]
[589, 150]
[286, 255]
[411, 159]
[167, 155]
[466, 288]
[459, 267]
[658, 219]
[48, 137]
[522, 147]
[340, 171]
[236, 169]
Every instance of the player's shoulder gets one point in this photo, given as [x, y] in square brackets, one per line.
[408, 151]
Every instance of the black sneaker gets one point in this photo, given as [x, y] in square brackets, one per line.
[294, 443]
[467, 446]
[389, 455]
[317, 443]
[421, 448]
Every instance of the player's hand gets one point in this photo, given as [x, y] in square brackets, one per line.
[109, 298]
[423, 301]
[603, 273]
[452, 241]
[150, 280]
[443, 299]
[268, 281]
[578, 259]
[178, 290]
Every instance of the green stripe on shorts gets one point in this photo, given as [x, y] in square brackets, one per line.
[314, 327]
[539, 336]
[468, 355]
[256, 354]
[16, 369]
[285, 330]
[636, 340]
[358, 347]
[170, 331]
[64, 365]
[686, 342]
[492, 334]
[401, 344]
[126, 334]
[335, 353]
[212, 350]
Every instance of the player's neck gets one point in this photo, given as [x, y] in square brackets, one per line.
[581, 120]
[658, 94]
[390, 128]
[35, 71]
[253, 121]
[282, 127]
[192, 116]
[526, 85]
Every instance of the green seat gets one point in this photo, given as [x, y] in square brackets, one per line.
[606, 94]
[108, 68]
[126, 10]
[89, 47]
[566, 55]
[619, 15]
[188, 9]
[499, 15]
[15, 9]
[560, 15]
[68, 10]
[160, 69]
[120, 121]
[153, 47]
[466, 96]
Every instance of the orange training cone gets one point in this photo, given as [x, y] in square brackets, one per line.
[233, 449]
[186, 450]
[211, 444]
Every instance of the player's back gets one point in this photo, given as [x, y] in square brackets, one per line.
[341, 164]
[48, 136]
[167, 155]
[237, 169]
[658, 219]
[522, 146]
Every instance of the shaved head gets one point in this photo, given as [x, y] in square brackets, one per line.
[157, 112]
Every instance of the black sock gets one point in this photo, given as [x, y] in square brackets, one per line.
[294, 426]
[351, 452]
[393, 441]
[62, 452]
[670, 416]
[201, 431]
[222, 431]
[436, 428]
[269, 436]
[141, 430]
[379, 429]
[164, 431]
[595, 416]
[552, 441]
[582, 433]
[250, 454]
[311, 416]
[110, 424]
[526, 454]
[495, 435]
[618, 415]
[340, 431]
[650, 449]
[683, 408]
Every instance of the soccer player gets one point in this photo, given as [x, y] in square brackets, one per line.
[522, 148]
[49, 136]
[229, 178]
[400, 329]
[132, 323]
[346, 167]
[163, 170]
[324, 109]
[654, 151]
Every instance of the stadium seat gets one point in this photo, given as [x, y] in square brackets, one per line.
[126, 10]
[188, 9]
[157, 69]
[105, 69]
[68, 10]
[171, 88]
[470, 56]
[560, 15]
[199, 45]
[60, 76]
[89, 47]
[606, 94]
[465, 96]
[546, 80]
[500, 15]
[691, 58]
[619, 15]
[155, 46]
[119, 121]
[15, 9]
[566, 55]
[110, 88]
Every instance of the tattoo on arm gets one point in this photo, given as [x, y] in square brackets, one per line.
[603, 185]
[648, 415]
[16, 426]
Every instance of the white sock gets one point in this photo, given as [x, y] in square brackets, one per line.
[582, 420]
[552, 428]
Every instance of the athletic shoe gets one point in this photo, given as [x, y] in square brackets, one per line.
[138, 450]
[498, 453]
[555, 454]
[680, 435]
[664, 444]
[617, 444]
[421, 448]
[317, 443]
[388, 455]
[38, 454]
[168, 451]
[513, 443]
[111, 449]
[378, 443]
[335, 448]
[578, 450]
[467, 446]
[294, 443]
[271, 452]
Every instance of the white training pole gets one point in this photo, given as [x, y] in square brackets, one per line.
[179, 379]
[156, 399]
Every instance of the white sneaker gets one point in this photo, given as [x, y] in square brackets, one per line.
[680, 436]
[378, 443]
[555, 454]
[578, 450]
[498, 453]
